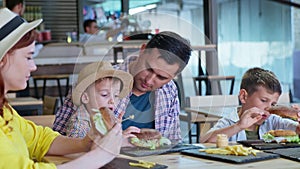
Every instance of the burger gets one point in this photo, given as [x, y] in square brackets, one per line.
[284, 111]
[104, 119]
[281, 136]
[149, 138]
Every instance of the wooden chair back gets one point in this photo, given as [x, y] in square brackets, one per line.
[212, 101]
[213, 81]
[223, 104]
[284, 98]
[50, 105]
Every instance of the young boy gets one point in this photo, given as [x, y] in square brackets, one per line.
[259, 90]
[99, 85]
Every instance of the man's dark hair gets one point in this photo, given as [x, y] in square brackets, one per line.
[10, 4]
[88, 23]
[255, 77]
[173, 48]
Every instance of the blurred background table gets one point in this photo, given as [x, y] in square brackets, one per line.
[27, 105]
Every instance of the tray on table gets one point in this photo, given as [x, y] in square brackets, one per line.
[230, 158]
[123, 163]
[139, 152]
[289, 153]
[261, 145]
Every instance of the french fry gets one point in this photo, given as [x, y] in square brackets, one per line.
[144, 164]
[218, 151]
[237, 150]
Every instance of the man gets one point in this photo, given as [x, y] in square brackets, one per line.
[90, 26]
[91, 30]
[92, 33]
[154, 98]
[17, 6]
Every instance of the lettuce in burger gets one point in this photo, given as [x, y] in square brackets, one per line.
[281, 136]
[104, 119]
[149, 138]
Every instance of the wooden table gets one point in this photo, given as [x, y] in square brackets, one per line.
[179, 161]
[27, 105]
[43, 120]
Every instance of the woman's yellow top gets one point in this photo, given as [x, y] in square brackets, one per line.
[22, 143]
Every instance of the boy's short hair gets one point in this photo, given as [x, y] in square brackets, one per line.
[256, 77]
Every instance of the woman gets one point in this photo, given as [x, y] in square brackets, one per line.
[23, 144]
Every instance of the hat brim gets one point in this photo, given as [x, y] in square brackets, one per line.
[125, 78]
[16, 35]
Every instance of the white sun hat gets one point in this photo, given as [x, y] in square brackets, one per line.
[12, 29]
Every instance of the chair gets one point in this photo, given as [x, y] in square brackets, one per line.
[45, 78]
[212, 103]
[118, 49]
[50, 105]
[284, 98]
[211, 80]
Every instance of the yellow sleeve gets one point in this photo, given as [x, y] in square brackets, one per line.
[37, 138]
[25, 145]
[18, 161]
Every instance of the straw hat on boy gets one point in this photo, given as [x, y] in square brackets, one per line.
[94, 71]
[12, 29]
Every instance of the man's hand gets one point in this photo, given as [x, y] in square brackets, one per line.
[127, 134]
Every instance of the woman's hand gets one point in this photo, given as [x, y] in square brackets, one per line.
[103, 151]
[111, 142]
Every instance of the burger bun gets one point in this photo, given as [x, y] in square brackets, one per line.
[282, 133]
[284, 111]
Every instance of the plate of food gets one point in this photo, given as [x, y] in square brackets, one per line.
[274, 139]
[231, 154]
[150, 142]
[149, 139]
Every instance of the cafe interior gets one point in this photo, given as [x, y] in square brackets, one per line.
[227, 36]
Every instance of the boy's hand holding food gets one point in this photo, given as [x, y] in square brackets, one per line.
[251, 116]
[106, 131]
[103, 119]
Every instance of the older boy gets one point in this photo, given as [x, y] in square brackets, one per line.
[259, 90]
